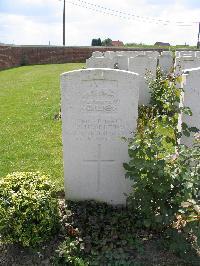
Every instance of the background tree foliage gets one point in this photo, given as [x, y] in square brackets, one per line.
[96, 42]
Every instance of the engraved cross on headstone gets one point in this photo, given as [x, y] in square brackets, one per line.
[99, 161]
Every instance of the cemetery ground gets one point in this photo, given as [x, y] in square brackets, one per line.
[30, 140]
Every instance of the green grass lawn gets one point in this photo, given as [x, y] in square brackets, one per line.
[30, 137]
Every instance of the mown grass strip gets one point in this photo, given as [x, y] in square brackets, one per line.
[30, 137]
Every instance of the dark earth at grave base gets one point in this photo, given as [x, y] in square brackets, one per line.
[108, 233]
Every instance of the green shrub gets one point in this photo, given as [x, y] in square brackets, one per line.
[70, 252]
[151, 198]
[161, 183]
[165, 174]
[28, 209]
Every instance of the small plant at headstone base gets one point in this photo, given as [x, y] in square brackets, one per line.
[101, 235]
[57, 116]
[70, 252]
[28, 209]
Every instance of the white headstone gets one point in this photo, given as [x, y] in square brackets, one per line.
[187, 62]
[97, 54]
[166, 63]
[132, 53]
[191, 99]
[99, 62]
[121, 61]
[152, 54]
[167, 53]
[120, 52]
[177, 54]
[187, 53]
[198, 54]
[109, 54]
[99, 106]
[146, 67]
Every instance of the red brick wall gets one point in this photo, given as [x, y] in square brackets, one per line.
[11, 56]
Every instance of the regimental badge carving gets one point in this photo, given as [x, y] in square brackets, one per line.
[97, 100]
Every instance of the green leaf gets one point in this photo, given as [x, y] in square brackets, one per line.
[179, 135]
[194, 129]
[169, 140]
[184, 126]
[127, 166]
[147, 223]
[187, 111]
[186, 133]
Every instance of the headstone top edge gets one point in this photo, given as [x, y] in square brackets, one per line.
[187, 71]
[90, 70]
[165, 55]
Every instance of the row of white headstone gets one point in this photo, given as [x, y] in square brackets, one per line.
[99, 106]
[144, 63]
[126, 60]
[136, 61]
